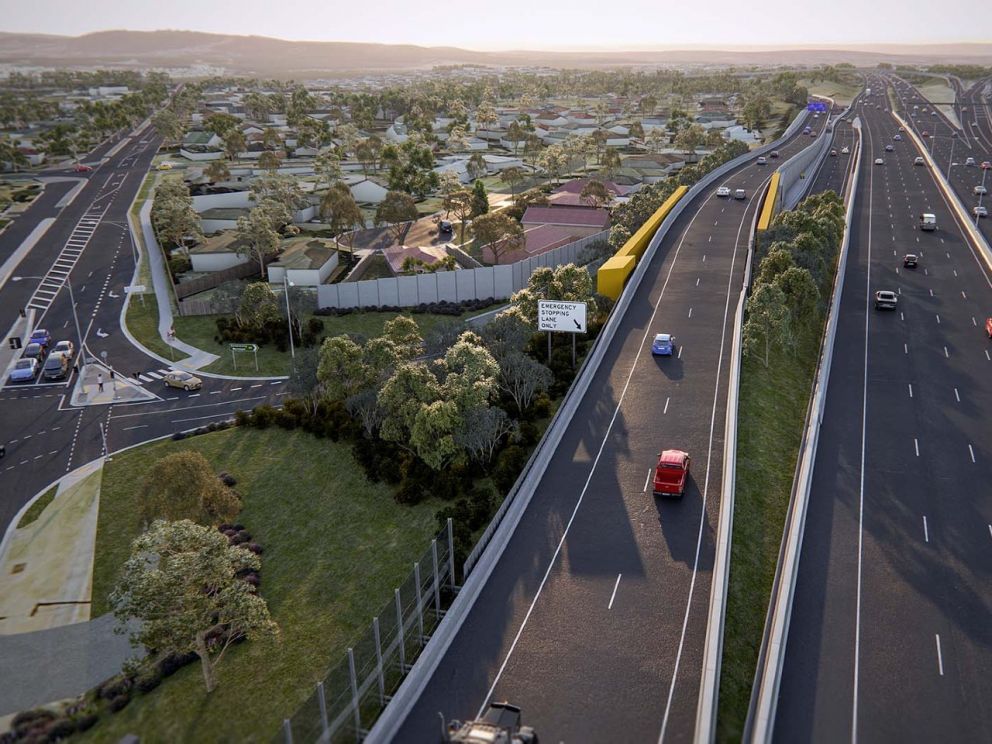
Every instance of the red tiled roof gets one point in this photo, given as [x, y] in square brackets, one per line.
[575, 186]
[571, 216]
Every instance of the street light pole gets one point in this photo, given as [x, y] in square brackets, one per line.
[289, 314]
[951, 159]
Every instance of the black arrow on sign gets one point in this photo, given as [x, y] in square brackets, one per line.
[576, 324]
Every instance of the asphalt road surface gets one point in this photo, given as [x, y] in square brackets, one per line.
[890, 637]
[595, 616]
[89, 242]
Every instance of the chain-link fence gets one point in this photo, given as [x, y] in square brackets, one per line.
[349, 699]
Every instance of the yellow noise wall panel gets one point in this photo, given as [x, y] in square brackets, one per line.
[768, 208]
[640, 240]
[613, 275]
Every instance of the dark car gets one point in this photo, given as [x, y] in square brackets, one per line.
[56, 367]
[33, 351]
[444, 226]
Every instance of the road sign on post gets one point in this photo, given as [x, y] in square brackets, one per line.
[252, 348]
[565, 317]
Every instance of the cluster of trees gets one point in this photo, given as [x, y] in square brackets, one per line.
[175, 221]
[183, 590]
[276, 199]
[795, 259]
[259, 316]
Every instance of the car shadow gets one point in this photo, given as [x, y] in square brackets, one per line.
[679, 520]
[670, 366]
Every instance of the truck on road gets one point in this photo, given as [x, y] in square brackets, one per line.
[500, 725]
[928, 221]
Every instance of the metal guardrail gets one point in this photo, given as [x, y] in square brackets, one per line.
[519, 497]
[771, 655]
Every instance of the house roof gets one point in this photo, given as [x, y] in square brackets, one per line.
[198, 138]
[397, 254]
[571, 216]
[576, 185]
[305, 253]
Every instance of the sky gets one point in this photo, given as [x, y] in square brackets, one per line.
[528, 24]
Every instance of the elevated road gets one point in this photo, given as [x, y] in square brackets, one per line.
[594, 618]
[889, 637]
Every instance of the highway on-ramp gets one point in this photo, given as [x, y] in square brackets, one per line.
[594, 617]
[890, 637]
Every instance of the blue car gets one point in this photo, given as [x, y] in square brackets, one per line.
[41, 336]
[25, 370]
[663, 345]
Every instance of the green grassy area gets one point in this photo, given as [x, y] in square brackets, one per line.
[842, 93]
[335, 546]
[199, 330]
[34, 511]
[142, 322]
[773, 404]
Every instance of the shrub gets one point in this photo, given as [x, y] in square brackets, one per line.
[179, 265]
[29, 719]
[541, 407]
[148, 680]
[253, 578]
[86, 722]
[411, 491]
[114, 687]
[172, 663]
[61, 728]
[508, 466]
[255, 548]
[120, 702]
[228, 480]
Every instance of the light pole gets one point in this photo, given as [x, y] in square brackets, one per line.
[950, 160]
[72, 301]
[289, 313]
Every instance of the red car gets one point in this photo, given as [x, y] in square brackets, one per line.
[83, 168]
[671, 473]
[988, 326]
[986, 165]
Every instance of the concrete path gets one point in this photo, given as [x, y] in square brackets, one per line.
[198, 358]
[117, 388]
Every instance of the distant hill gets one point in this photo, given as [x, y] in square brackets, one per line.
[259, 55]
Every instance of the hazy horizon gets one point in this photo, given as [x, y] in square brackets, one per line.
[783, 24]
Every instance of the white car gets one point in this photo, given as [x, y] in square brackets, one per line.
[981, 211]
[723, 191]
[919, 161]
[845, 150]
[980, 190]
[879, 161]
[740, 194]
[970, 162]
[761, 160]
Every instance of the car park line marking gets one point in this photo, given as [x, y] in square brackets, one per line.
[987, 355]
[910, 390]
[956, 395]
[704, 258]
[971, 452]
[940, 658]
[194, 395]
[276, 382]
[955, 272]
[614, 595]
[926, 532]
[990, 530]
[709, 239]
[899, 290]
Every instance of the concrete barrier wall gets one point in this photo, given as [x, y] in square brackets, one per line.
[498, 282]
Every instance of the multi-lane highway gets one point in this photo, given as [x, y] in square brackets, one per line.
[594, 617]
[889, 637]
[89, 245]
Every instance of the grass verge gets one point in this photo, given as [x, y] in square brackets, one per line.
[142, 322]
[34, 511]
[842, 93]
[335, 546]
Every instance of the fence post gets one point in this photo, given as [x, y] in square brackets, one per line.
[420, 601]
[354, 695]
[451, 554]
[287, 731]
[402, 630]
[437, 580]
[322, 700]
[378, 660]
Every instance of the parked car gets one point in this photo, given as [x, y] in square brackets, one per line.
[25, 370]
[444, 226]
[663, 345]
[41, 336]
[33, 351]
[56, 367]
[723, 191]
[184, 380]
[671, 473]
[885, 300]
[66, 348]
[740, 194]
[165, 165]
[909, 260]
[926, 133]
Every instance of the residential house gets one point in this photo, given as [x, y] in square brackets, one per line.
[396, 255]
[204, 139]
[217, 252]
[538, 239]
[396, 133]
[365, 190]
[304, 262]
[652, 167]
[740, 133]
[580, 221]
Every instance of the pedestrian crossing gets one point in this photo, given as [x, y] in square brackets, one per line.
[151, 375]
[56, 277]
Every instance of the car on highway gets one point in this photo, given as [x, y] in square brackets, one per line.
[919, 161]
[723, 191]
[845, 150]
[833, 153]
[885, 300]
[66, 348]
[980, 211]
[909, 260]
[897, 137]
[980, 190]
[889, 148]
[184, 380]
[25, 370]
[41, 336]
[671, 473]
[928, 221]
[970, 162]
[56, 367]
[82, 168]
[926, 133]
[933, 113]
[663, 345]
[879, 161]
[740, 194]
[988, 327]
[902, 129]
[773, 154]
[34, 351]
[761, 160]
[986, 165]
